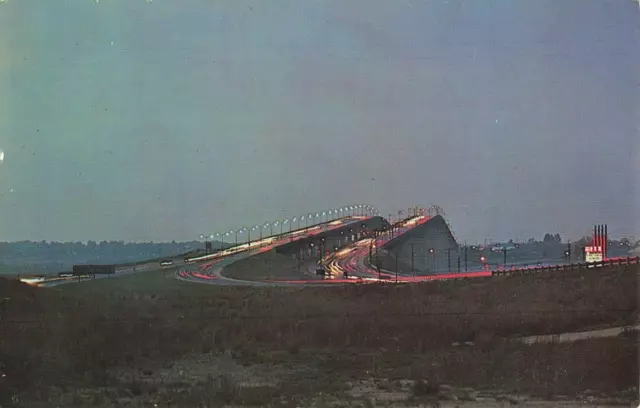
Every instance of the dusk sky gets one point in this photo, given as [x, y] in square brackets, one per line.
[161, 120]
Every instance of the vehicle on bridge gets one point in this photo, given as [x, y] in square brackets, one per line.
[504, 247]
[168, 262]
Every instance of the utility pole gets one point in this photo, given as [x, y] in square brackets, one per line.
[413, 270]
[505, 256]
[569, 251]
[449, 259]
[466, 259]
[458, 263]
[397, 253]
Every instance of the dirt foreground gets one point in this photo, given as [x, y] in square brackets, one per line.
[150, 340]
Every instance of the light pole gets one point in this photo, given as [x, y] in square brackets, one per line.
[466, 258]
[236, 232]
[294, 220]
[413, 270]
[397, 254]
[286, 222]
[433, 256]
[302, 218]
[330, 217]
[255, 227]
[222, 237]
[275, 224]
[324, 217]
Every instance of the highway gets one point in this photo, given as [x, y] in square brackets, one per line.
[349, 264]
[200, 268]
[208, 269]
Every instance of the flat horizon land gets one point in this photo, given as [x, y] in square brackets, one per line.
[150, 339]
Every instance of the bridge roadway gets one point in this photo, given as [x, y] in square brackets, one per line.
[352, 259]
[208, 269]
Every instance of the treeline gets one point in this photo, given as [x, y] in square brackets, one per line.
[42, 256]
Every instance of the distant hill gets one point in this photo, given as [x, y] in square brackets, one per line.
[51, 257]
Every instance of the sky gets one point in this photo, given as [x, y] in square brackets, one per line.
[162, 120]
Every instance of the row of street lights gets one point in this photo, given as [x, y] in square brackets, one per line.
[290, 224]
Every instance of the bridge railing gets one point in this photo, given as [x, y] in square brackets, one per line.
[568, 267]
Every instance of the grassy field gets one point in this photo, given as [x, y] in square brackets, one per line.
[269, 266]
[151, 339]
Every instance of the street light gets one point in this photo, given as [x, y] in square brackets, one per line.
[221, 235]
[275, 224]
[324, 216]
[284, 223]
[294, 220]
[330, 215]
[433, 255]
[255, 227]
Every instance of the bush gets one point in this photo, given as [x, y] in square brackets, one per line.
[422, 388]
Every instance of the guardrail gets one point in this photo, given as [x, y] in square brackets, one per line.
[568, 267]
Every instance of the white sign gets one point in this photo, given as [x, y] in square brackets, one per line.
[594, 257]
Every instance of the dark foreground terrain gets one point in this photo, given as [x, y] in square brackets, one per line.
[150, 340]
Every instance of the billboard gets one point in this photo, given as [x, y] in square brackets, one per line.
[79, 270]
[593, 254]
